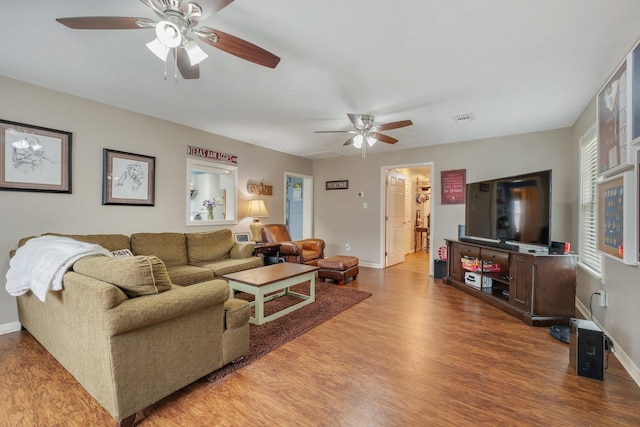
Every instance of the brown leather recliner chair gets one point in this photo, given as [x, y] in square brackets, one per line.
[306, 251]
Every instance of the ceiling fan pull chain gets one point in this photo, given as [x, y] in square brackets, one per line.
[165, 70]
[175, 66]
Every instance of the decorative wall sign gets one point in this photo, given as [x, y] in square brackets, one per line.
[337, 185]
[453, 184]
[261, 189]
[613, 117]
[211, 155]
[33, 158]
[128, 179]
[617, 217]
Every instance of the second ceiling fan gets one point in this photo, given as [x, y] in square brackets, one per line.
[367, 133]
[176, 32]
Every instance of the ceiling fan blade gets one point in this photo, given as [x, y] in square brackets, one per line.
[106, 23]
[349, 141]
[240, 48]
[383, 137]
[187, 70]
[356, 120]
[335, 131]
[395, 125]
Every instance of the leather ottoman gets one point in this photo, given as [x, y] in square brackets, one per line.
[339, 268]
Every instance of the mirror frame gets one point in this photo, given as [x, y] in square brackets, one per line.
[231, 205]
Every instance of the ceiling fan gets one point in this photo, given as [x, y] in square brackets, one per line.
[365, 130]
[176, 31]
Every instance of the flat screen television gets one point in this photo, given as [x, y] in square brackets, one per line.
[515, 209]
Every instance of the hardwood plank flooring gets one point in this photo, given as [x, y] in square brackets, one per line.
[416, 353]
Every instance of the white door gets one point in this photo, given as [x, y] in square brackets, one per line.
[395, 218]
[408, 220]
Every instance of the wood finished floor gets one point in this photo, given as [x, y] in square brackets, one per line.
[416, 353]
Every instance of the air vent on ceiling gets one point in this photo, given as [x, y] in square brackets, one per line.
[462, 118]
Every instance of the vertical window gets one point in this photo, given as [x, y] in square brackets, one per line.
[589, 255]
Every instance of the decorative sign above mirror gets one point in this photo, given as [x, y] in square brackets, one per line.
[211, 193]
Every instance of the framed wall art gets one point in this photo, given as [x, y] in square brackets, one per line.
[242, 237]
[337, 185]
[453, 186]
[614, 116]
[634, 73]
[617, 217]
[34, 158]
[128, 179]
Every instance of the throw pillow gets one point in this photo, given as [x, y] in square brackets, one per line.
[121, 253]
[136, 275]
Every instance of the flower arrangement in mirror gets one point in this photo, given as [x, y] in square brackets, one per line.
[209, 204]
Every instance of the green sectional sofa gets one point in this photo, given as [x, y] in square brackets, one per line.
[133, 330]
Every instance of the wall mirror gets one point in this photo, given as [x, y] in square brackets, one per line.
[211, 193]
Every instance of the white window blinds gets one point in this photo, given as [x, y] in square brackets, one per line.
[588, 245]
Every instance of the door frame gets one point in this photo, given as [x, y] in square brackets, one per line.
[307, 202]
[382, 222]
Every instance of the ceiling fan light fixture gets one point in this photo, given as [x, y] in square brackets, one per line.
[371, 140]
[357, 141]
[194, 52]
[169, 34]
[158, 49]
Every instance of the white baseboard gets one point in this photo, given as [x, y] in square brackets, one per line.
[370, 265]
[6, 328]
[622, 357]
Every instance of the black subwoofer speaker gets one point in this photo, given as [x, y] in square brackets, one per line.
[586, 349]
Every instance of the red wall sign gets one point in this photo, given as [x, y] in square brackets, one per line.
[453, 186]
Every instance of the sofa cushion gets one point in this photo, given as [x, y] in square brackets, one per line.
[169, 247]
[236, 313]
[185, 275]
[209, 246]
[111, 242]
[242, 250]
[136, 276]
[227, 266]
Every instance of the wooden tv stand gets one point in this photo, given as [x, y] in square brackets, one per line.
[538, 289]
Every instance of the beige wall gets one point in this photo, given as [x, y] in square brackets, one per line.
[340, 218]
[97, 126]
[620, 318]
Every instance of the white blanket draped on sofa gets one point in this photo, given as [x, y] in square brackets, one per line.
[41, 262]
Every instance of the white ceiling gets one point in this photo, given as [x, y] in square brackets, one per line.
[516, 65]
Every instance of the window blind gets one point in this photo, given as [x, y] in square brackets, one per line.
[588, 249]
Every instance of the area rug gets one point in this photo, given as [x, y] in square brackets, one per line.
[330, 300]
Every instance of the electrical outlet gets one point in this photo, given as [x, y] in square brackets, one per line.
[347, 247]
[604, 298]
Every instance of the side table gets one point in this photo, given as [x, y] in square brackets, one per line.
[270, 251]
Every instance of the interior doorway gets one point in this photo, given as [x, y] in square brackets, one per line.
[298, 205]
[418, 212]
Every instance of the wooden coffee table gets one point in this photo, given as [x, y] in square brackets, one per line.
[273, 281]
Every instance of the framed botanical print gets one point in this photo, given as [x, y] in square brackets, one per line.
[128, 179]
[34, 158]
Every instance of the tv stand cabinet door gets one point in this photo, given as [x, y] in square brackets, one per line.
[520, 287]
[454, 266]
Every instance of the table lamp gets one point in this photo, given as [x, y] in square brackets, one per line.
[257, 210]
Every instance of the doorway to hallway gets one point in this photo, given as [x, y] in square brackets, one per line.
[417, 222]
